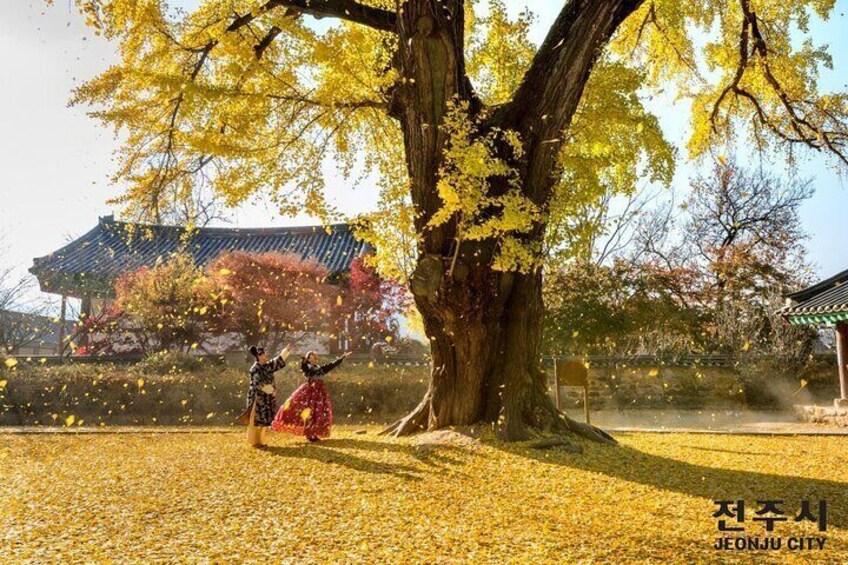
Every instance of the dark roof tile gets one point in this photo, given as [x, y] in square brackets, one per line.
[113, 248]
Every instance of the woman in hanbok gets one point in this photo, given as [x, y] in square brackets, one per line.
[262, 394]
[308, 411]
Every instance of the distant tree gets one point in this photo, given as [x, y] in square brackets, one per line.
[619, 308]
[368, 310]
[650, 279]
[109, 332]
[22, 319]
[168, 303]
[744, 231]
[269, 298]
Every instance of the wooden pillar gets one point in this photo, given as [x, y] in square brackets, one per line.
[62, 311]
[842, 358]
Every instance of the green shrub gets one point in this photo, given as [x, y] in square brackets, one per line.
[177, 390]
[171, 363]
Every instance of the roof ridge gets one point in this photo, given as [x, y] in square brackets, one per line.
[805, 293]
[228, 230]
[103, 253]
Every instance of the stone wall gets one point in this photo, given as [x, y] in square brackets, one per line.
[765, 386]
[822, 415]
[653, 387]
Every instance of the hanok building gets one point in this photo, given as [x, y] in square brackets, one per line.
[88, 267]
[825, 303]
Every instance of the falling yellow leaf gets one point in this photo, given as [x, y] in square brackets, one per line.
[339, 300]
[305, 414]
[210, 415]
[183, 402]
[10, 362]
[225, 272]
[3, 383]
[746, 346]
[140, 383]
[575, 333]
[653, 372]
[69, 421]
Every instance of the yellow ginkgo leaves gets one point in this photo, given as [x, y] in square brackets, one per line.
[305, 414]
[69, 421]
[445, 500]
[10, 362]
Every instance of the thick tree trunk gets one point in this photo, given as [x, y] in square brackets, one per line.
[485, 326]
[485, 334]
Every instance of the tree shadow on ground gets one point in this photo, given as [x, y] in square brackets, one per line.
[431, 455]
[711, 483]
[734, 451]
[338, 451]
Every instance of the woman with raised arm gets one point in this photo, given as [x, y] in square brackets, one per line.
[308, 411]
[262, 394]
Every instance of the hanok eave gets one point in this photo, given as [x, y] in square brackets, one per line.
[88, 267]
[825, 303]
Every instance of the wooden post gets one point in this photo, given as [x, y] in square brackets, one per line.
[842, 359]
[586, 401]
[62, 309]
[556, 384]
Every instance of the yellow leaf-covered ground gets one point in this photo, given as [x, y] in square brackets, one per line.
[208, 498]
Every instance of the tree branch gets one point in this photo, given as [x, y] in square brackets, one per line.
[807, 122]
[348, 10]
[550, 91]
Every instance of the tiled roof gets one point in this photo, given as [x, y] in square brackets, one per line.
[89, 265]
[826, 298]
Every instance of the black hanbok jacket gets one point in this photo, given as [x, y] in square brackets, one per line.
[265, 404]
[311, 371]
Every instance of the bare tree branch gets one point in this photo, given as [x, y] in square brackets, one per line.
[806, 120]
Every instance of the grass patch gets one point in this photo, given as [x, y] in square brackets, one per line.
[161, 392]
[364, 498]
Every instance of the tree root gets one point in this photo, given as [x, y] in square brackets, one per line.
[588, 431]
[413, 423]
[515, 429]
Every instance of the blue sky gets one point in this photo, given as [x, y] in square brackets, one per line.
[56, 162]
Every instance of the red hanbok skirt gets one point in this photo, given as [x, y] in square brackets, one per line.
[307, 412]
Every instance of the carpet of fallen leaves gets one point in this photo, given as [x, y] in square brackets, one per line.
[208, 498]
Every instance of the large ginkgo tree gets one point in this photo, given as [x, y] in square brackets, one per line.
[485, 147]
